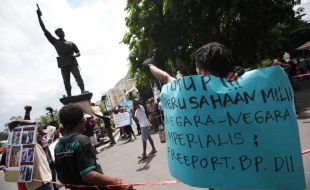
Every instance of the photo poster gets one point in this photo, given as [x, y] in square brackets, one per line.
[20, 154]
[122, 119]
[242, 134]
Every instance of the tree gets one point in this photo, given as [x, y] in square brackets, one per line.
[4, 134]
[171, 30]
[44, 120]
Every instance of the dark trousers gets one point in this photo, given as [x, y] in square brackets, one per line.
[53, 170]
[110, 135]
[65, 71]
[128, 130]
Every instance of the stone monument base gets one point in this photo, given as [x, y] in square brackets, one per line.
[82, 100]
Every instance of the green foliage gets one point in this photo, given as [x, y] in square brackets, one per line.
[44, 120]
[3, 136]
[171, 30]
[5, 132]
[265, 62]
[6, 125]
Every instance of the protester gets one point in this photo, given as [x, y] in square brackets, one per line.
[127, 128]
[75, 157]
[122, 132]
[152, 111]
[51, 146]
[145, 124]
[41, 169]
[46, 138]
[50, 131]
[44, 142]
[137, 123]
[160, 110]
[289, 68]
[90, 123]
[211, 59]
[107, 124]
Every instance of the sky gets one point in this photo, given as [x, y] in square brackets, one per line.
[29, 72]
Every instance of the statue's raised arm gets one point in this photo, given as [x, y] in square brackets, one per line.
[39, 13]
[48, 35]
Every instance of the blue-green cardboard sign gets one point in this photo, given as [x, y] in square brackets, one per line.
[127, 104]
[242, 134]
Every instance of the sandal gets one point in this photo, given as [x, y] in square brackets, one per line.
[152, 152]
[142, 156]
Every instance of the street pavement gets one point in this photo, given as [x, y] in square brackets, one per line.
[121, 160]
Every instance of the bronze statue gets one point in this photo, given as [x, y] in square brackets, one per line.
[67, 52]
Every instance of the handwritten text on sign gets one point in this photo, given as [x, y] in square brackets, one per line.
[122, 119]
[233, 135]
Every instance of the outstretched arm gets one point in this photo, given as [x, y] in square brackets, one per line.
[48, 35]
[39, 13]
[96, 178]
[161, 75]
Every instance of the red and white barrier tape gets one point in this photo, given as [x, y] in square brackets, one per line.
[167, 182]
[306, 151]
[302, 75]
[117, 185]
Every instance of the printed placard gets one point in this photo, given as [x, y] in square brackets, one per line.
[242, 134]
[26, 173]
[122, 119]
[21, 152]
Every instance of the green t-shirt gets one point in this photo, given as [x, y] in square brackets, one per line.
[75, 156]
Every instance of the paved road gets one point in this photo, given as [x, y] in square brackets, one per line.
[303, 105]
[121, 160]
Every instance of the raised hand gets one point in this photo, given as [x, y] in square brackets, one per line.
[28, 108]
[146, 63]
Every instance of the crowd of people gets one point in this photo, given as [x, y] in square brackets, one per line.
[294, 67]
[67, 149]
[53, 158]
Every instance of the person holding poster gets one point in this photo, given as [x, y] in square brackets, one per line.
[39, 170]
[230, 135]
[128, 128]
[75, 157]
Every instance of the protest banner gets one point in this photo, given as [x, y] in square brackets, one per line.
[127, 104]
[20, 154]
[122, 119]
[242, 134]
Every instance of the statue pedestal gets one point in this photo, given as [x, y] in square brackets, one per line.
[82, 100]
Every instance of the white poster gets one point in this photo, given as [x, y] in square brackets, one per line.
[122, 119]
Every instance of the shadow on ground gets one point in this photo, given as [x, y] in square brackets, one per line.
[145, 162]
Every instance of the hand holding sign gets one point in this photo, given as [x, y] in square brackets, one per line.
[146, 63]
